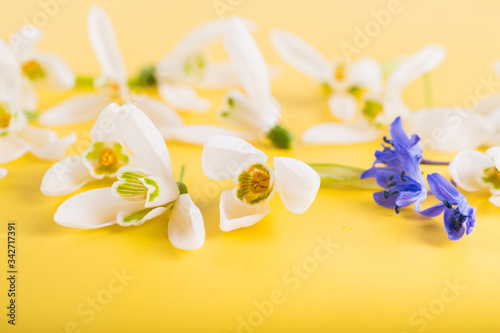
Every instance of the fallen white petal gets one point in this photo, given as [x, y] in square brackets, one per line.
[222, 156]
[65, 177]
[144, 141]
[186, 229]
[342, 106]
[3, 173]
[339, 134]
[75, 110]
[296, 182]
[45, 143]
[12, 148]
[467, 168]
[103, 40]
[233, 215]
[300, 55]
[450, 129]
[183, 97]
[92, 209]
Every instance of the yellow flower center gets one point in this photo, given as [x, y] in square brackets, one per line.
[108, 157]
[33, 70]
[255, 184]
[340, 72]
[5, 117]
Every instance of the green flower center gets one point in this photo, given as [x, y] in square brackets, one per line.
[255, 184]
[194, 65]
[33, 70]
[372, 109]
[104, 159]
[492, 176]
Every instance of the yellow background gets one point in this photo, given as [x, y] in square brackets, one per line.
[386, 267]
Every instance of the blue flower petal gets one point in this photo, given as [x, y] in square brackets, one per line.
[448, 226]
[389, 202]
[443, 189]
[433, 211]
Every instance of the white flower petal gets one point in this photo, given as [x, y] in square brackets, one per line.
[183, 97]
[45, 143]
[342, 106]
[296, 182]
[488, 104]
[65, 177]
[365, 73]
[494, 153]
[75, 110]
[10, 76]
[144, 141]
[186, 229]
[450, 129]
[103, 40]
[414, 66]
[219, 75]
[339, 134]
[233, 215]
[23, 41]
[467, 168]
[160, 191]
[89, 210]
[104, 128]
[222, 156]
[301, 55]
[198, 134]
[12, 148]
[30, 96]
[247, 60]
[157, 111]
[495, 199]
[58, 73]
[3, 173]
[135, 214]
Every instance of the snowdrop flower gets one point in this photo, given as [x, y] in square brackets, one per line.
[141, 193]
[17, 137]
[357, 95]
[233, 158]
[474, 171]
[40, 68]
[397, 170]
[188, 63]
[105, 156]
[257, 111]
[459, 217]
[112, 84]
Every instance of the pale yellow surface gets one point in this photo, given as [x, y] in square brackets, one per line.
[385, 268]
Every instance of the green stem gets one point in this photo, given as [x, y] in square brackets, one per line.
[428, 89]
[183, 169]
[341, 176]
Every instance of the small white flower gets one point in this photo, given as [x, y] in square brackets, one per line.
[141, 193]
[189, 63]
[358, 97]
[253, 114]
[17, 137]
[106, 155]
[112, 84]
[474, 171]
[39, 68]
[233, 158]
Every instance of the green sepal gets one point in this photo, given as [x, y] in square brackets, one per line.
[281, 137]
[182, 188]
[341, 176]
[147, 78]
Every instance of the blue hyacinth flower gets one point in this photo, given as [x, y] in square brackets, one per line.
[397, 170]
[459, 217]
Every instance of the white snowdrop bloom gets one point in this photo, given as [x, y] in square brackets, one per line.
[233, 158]
[140, 193]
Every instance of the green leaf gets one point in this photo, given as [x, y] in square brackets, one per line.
[341, 176]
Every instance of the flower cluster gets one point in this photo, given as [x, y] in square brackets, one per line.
[397, 170]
